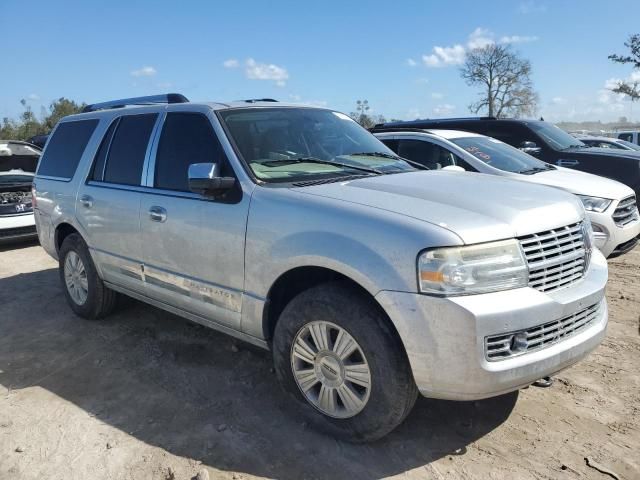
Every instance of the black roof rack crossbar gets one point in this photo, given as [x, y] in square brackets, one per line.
[148, 100]
[255, 100]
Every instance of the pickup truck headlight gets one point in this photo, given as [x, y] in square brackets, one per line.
[595, 204]
[473, 269]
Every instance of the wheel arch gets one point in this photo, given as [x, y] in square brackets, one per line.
[298, 279]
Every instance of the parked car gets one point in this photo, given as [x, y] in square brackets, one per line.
[295, 229]
[39, 140]
[547, 142]
[18, 161]
[632, 136]
[607, 142]
[611, 206]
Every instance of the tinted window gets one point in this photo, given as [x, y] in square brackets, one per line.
[98, 164]
[428, 154]
[626, 136]
[186, 138]
[65, 148]
[128, 149]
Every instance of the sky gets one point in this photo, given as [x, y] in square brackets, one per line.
[403, 57]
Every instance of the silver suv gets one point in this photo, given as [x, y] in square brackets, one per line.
[296, 230]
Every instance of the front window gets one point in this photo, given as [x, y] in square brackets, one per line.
[300, 144]
[630, 145]
[555, 136]
[500, 155]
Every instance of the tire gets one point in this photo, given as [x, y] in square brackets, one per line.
[391, 391]
[98, 300]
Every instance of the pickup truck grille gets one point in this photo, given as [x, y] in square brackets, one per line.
[503, 346]
[556, 258]
[626, 211]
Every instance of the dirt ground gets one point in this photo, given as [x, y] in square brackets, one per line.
[147, 395]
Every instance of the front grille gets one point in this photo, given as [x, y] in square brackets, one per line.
[556, 258]
[17, 232]
[626, 211]
[503, 346]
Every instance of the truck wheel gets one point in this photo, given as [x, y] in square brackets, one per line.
[335, 352]
[86, 294]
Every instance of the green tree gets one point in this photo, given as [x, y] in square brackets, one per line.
[58, 109]
[631, 88]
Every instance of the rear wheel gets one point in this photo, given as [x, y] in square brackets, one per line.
[86, 294]
[336, 353]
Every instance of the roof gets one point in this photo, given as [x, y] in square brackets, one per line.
[451, 134]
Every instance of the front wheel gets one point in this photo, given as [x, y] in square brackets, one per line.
[335, 352]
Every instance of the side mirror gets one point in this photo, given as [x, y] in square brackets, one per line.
[530, 147]
[454, 168]
[205, 179]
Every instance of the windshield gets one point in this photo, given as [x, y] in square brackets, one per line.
[555, 136]
[500, 155]
[632, 146]
[301, 144]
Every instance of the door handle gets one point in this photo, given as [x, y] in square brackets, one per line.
[86, 201]
[157, 214]
[567, 163]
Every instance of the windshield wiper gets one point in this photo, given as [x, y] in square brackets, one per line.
[289, 161]
[531, 171]
[393, 157]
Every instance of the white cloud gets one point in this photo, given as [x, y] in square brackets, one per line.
[144, 72]
[531, 6]
[231, 63]
[411, 62]
[295, 98]
[444, 109]
[480, 38]
[437, 95]
[558, 101]
[33, 97]
[266, 71]
[412, 114]
[445, 56]
[518, 39]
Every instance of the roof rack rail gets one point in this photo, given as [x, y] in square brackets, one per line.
[380, 128]
[148, 100]
[255, 100]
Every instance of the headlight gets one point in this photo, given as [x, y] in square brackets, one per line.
[595, 204]
[473, 269]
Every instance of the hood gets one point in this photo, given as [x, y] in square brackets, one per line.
[476, 207]
[606, 152]
[580, 183]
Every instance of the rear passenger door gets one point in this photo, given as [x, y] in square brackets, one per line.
[193, 245]
[108, 204]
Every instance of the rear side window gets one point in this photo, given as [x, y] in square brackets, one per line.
[186, 138]
[100, 161]
[65, 148]
[125, 157]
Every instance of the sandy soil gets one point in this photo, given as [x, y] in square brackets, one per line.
[146, 395]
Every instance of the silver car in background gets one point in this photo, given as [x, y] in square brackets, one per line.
[295, 229]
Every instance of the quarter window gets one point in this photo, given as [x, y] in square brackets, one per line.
[65, 148]
[128, 148]
[186, 138]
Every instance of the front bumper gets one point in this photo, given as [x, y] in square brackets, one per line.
[445, 337]
[613, 239]
[17, 227]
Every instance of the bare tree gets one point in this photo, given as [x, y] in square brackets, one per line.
[505, 78]
[362, 116]
[629, 88]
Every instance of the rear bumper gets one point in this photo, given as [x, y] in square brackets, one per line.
[445, 337]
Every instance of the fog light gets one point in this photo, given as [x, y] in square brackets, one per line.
[519, 342]
[600, 235]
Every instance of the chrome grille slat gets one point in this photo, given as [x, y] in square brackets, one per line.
[556, 258]
[498, 347]
[626, 211]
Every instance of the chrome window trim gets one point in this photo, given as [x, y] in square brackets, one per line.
[149, 167]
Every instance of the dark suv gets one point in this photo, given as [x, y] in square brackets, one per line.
[545, 141]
